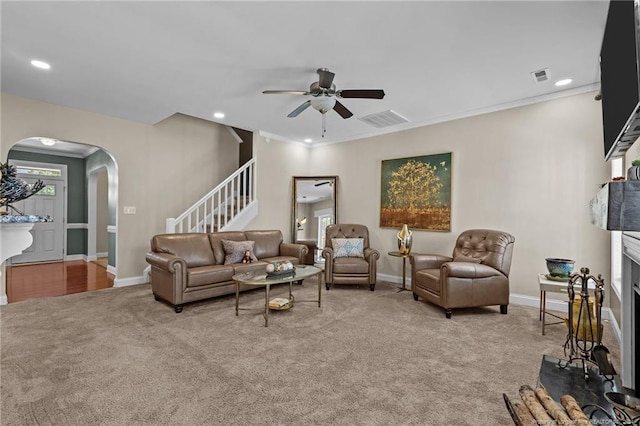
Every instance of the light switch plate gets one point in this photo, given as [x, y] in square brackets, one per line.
[129, 210]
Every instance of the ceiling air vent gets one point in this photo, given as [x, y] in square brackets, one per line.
[540, 75]
[384, 119]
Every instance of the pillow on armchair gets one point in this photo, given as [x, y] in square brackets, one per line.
[348, 247]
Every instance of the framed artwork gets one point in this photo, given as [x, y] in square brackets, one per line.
[416, 191]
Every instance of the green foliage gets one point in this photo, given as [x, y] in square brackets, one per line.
[635, 162]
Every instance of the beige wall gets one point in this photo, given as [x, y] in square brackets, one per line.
[162, 168]
[530, 171]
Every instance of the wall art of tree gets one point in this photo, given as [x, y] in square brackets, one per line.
[416, 191]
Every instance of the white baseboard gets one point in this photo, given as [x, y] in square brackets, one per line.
[91, 258]
[105, 254]
[3, 300]
[392, 279]
[111, 269]
[146, 273]
[125, 282]
[70, 257]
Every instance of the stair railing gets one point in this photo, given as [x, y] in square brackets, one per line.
[218, 208]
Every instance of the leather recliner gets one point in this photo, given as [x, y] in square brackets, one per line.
[349, 270]
[476, 275]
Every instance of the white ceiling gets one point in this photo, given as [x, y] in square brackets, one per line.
[145, 61]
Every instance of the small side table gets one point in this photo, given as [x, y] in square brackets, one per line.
[555, 287]
[404, 268]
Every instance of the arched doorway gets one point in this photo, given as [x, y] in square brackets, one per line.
[90, 206]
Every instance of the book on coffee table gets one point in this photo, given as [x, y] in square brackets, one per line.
[279, 303]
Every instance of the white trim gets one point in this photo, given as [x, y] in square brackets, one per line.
[125, 282]
[103, 254]
[3, 300]
[112, 229]
[111, 269]
[614, 324]
[70, 257]
[90, 258]
[77, 226]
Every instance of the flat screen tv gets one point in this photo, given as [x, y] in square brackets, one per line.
[619, 71]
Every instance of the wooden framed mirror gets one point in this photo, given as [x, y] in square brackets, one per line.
[314, 206]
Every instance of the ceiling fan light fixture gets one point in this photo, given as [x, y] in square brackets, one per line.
[323, 104]
[47, 141]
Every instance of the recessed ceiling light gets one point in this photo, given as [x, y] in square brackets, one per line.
[563, 82]
[308, 140]
[218, 114]
[40, 64]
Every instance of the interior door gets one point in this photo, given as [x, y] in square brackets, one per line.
[48, 237]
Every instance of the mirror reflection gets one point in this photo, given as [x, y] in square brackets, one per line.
[314, 207]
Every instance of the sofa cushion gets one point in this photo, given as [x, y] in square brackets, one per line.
[194, 248]
[273, 259]
[211, 274]
[235, 251]
[216, 243]
[348, 247]
[267, 242]
[350, 265]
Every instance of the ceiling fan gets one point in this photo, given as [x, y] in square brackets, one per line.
[323, 183]
[324, 96]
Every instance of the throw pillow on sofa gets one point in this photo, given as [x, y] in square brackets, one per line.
[348, 247]
[234, 251]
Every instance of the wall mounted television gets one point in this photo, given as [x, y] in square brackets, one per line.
[619, 77]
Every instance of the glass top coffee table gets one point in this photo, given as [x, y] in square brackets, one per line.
[260, 278]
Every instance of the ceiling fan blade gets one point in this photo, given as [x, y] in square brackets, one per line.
[286, 92]
[298, 110]
[342, 110]
[326, 78]
[321, 183]
[361, 93]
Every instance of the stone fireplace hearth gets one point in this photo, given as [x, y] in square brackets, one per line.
[630, 349]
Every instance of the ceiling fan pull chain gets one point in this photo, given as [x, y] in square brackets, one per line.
[324, 124]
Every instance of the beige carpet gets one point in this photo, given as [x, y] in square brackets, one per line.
[117, 357]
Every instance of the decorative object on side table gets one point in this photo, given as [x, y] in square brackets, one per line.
[634, 171]
[559, 269]
[404, 240]
[14, 189]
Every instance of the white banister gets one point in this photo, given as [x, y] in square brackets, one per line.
[218, 209]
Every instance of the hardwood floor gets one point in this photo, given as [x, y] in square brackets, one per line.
[55, 279]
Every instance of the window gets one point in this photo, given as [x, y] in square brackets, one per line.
[38, 171]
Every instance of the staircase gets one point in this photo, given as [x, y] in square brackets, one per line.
[229, 206]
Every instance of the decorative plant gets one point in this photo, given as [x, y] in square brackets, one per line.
[13, 189]
[636, 162]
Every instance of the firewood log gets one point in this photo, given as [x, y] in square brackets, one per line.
[528, 395]
[552, 407]
[523, 414]
[573, 409]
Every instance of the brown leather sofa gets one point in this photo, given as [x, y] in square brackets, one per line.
[476, 275]
[349, 270]
[190, 267]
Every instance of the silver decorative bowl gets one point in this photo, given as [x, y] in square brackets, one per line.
[625, 407]
[559, 268]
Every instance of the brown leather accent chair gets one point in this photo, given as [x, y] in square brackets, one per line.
[349, 270]
[476, 275]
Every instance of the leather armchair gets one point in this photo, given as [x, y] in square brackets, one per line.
[476, 275]
[349, 270]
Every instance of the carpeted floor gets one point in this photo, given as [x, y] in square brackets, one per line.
[117, 357]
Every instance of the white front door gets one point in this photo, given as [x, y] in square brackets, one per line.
[48, 237]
